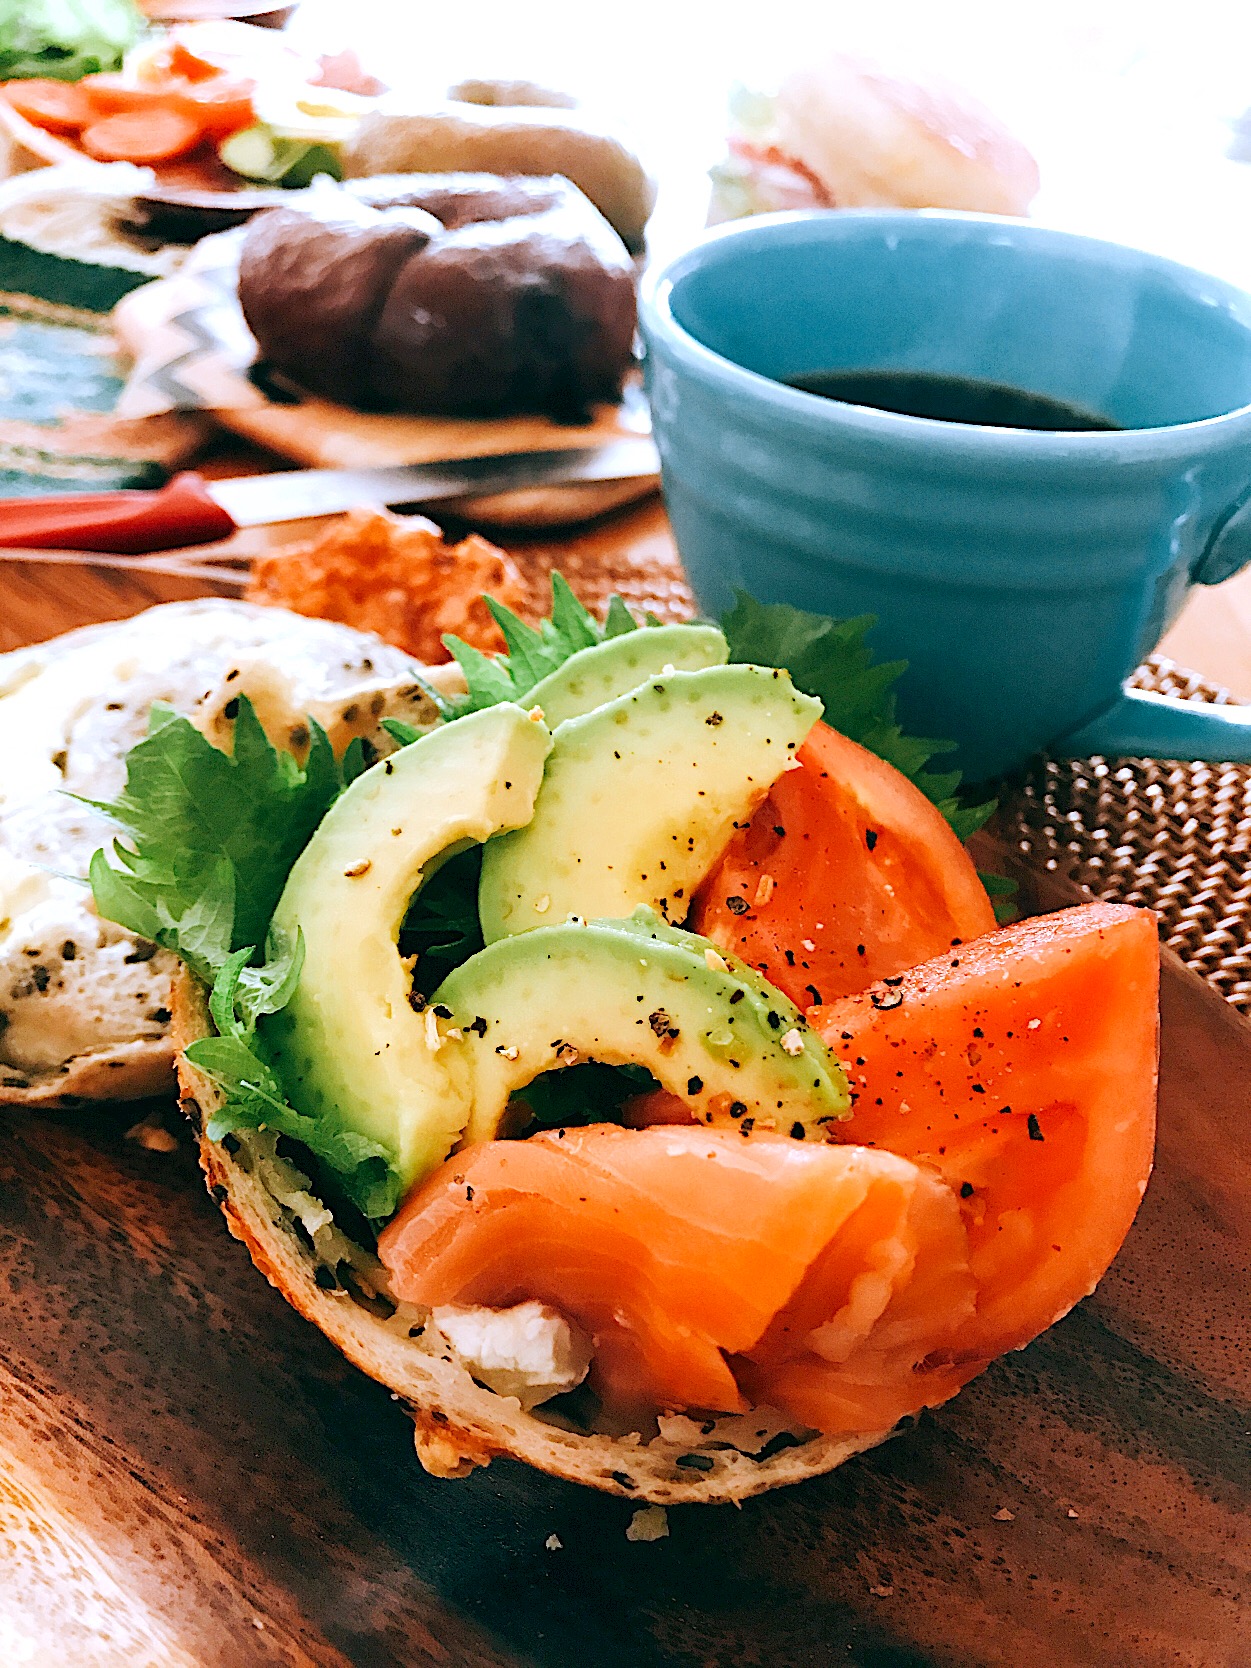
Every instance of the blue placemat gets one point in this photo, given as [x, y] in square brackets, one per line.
[57, 363]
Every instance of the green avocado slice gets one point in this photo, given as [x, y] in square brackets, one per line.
[637, 993]
[604, 671]
[349, 1047]
[641, 796]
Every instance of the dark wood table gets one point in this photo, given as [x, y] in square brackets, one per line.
[191, 1475]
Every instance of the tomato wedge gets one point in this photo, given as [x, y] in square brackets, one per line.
[142, 136]
[844, 875]
[57, 106]
[1023, 1068]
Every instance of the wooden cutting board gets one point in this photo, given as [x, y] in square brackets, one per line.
[191, 1475]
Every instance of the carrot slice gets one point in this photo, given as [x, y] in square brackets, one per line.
[57, 106]
[142, 136]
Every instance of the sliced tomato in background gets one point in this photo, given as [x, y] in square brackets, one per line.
[1023, 1068]
[846, 874]
[56, 106]
[218, 106]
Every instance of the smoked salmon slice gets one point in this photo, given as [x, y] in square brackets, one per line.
[1022, 1067]
[712, 1272]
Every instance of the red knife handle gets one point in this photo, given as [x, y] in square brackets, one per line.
[119, 523]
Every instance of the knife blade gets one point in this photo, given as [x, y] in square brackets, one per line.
[191, 510]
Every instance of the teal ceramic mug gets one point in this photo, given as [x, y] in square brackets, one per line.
[1023, 575]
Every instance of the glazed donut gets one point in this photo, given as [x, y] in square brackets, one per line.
[462, 295]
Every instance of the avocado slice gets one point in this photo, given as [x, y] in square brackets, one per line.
[604, 671]
[641, 796]
[638, 992]
[349, 1047]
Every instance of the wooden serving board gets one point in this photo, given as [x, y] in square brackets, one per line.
[191, 1475]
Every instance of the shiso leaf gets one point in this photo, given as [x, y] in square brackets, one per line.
[210, 836]
[533, 652]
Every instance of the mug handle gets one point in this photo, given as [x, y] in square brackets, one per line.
[1148, 726]
[1143, 725]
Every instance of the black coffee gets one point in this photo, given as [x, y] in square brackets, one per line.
[950, 399]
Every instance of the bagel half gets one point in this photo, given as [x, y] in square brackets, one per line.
[85, 1004]
[458, 1423]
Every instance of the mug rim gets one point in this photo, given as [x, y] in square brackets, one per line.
[658, 322]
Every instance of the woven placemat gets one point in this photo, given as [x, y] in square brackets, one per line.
[1175, 838]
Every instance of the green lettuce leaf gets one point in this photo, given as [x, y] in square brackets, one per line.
[253, 1094]
[831, 660]
[65, 39]
[210, 836]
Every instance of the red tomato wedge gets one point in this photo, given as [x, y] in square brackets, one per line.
[58, 106]
[826, 1277]
[1023, 1068]
[846, 874]
[142, 136]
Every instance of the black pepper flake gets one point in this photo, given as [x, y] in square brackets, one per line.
[478, 1026]
[737, 906]
[416, 1001]
[779, 830]
[714, 718]
[737, 996]
[694, 1085]
[893, 979]
[42, 978]
[775, 1020]
[737, 1108]
[160, 1016]
[978, 1032]
[814, 993]
[966, 1190]
[747, 1125]
[870, 837]
[231, 709]
[859, 949]
[662, 1025]
[696, 1462]
[979, 1088]
[69, 950]
[469, 1195]
[790, 957]
[1031, 1124]
[798, 1131]
[623, 1480]
[389, 768]
[442, 1011]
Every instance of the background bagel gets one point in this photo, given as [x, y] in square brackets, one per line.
[508, 139]
[521, 300]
